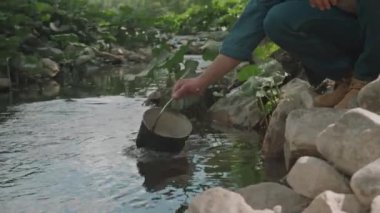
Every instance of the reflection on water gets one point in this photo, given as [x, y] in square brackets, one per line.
[79, 155]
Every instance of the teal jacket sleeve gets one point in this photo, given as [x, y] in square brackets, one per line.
[248, 31]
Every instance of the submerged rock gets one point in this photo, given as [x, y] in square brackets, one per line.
[219, 200]
[302, 129]
[351, 142]
[297, 94]
[368, 96]
[311, 176]
[273, 195]
[366, 183]
[331, 202]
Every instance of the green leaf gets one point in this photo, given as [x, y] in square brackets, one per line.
[248, 71]
[209, 55]
[264, 51]
[42, 7]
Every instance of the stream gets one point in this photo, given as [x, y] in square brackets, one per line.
[75, 152]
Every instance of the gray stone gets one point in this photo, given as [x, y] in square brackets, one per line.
[297, 94]
[368, 96]
[219, 200]
[375, 206]
[311, 176]
[49, 67]
[5, 84]
[236, 110]
[352, 142]
[366, 183]
[273, 195]
[302, 129]
[331, 202]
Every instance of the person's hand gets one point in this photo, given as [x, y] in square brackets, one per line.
[188, 87]
[323, 4]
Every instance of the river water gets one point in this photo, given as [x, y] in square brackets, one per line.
[77, 154]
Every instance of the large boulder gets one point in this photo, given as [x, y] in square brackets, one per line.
[219, 200]
[331, 202]
[352, 142]
[302, 128]
[375, 206]
[311, 176]
[297, 94]
[368, 96]
[269, 195]
[366, 182]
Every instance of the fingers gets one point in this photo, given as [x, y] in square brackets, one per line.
[334, 2]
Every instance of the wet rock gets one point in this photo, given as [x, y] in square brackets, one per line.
[331, 202]
[375, 206]
[311, 176]
[302, 129]
[366, 182]
[236, 110]
[273, 195]
[297, 94]
[351, 142]
[49, 67]
[219, 200]
[5, 84]
[368, 96]
[50, 89]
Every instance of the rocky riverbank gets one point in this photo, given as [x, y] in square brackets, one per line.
[333, 156]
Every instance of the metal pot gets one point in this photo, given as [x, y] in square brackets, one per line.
[170, 132]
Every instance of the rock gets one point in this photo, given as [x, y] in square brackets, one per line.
[366, 182]
[50, 89]
[219, 200]
[331, 202]
[302, 129]
[49, 67]
[311, 176]
[271, 195]
[375, 206]
[5, 84]
[368, 96]
[352, 142]
[297, 94]
[228, 111]
[50, 52]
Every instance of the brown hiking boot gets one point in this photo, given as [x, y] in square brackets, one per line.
[349, 98]
[333, 98]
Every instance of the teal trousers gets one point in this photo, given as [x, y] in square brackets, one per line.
[331, 43]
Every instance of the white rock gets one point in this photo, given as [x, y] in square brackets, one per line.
[366, 182]
[352, 142]
[273, 195]
[375, 206]
[219, 200]
[311, 176]
[302, 128]
[368, 96]
[297, 94]
[331, 202]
